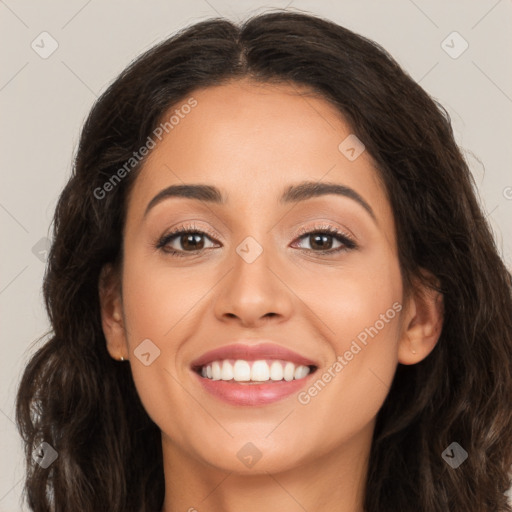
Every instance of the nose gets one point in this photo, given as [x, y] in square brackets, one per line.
[253, 292]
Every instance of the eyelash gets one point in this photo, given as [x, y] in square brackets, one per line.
[346, 240]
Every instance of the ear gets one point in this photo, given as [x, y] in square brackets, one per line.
[112, 320]
[422, 323]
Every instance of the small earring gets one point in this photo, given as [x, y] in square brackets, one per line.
[121, 358]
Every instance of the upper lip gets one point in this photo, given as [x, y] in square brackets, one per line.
[253, 352]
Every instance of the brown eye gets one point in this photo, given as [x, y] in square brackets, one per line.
[185, 240]
[321, 241]
[191, 241]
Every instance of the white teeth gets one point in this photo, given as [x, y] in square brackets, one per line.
[289, 371]
[227, 371]
[241, 371]
[276, 371]
[260, 371]
[254, 371]
[216, 370]
[300, 372]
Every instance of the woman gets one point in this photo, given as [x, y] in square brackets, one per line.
[270, 285]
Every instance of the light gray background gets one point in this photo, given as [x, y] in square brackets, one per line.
[44, 103]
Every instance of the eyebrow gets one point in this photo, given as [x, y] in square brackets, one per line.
[293, 194]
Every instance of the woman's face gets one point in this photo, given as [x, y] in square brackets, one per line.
[252, 276]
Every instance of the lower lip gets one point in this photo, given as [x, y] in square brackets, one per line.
[252, 394]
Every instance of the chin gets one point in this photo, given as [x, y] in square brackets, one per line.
[257, 457]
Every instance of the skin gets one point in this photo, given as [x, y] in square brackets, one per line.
[252, 141]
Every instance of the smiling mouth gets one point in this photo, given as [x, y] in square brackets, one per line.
[261, 371]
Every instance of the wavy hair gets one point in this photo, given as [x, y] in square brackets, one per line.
[84, 404]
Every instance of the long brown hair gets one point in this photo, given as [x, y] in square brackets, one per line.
[84, 404]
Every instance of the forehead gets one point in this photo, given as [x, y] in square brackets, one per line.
[253, 140]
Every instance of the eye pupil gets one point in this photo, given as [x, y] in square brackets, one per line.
[190, 241]
[320, 239]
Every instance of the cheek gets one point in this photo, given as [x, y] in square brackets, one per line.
[359, 308]
[159, 300]
[159, 306]
[355, 300]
